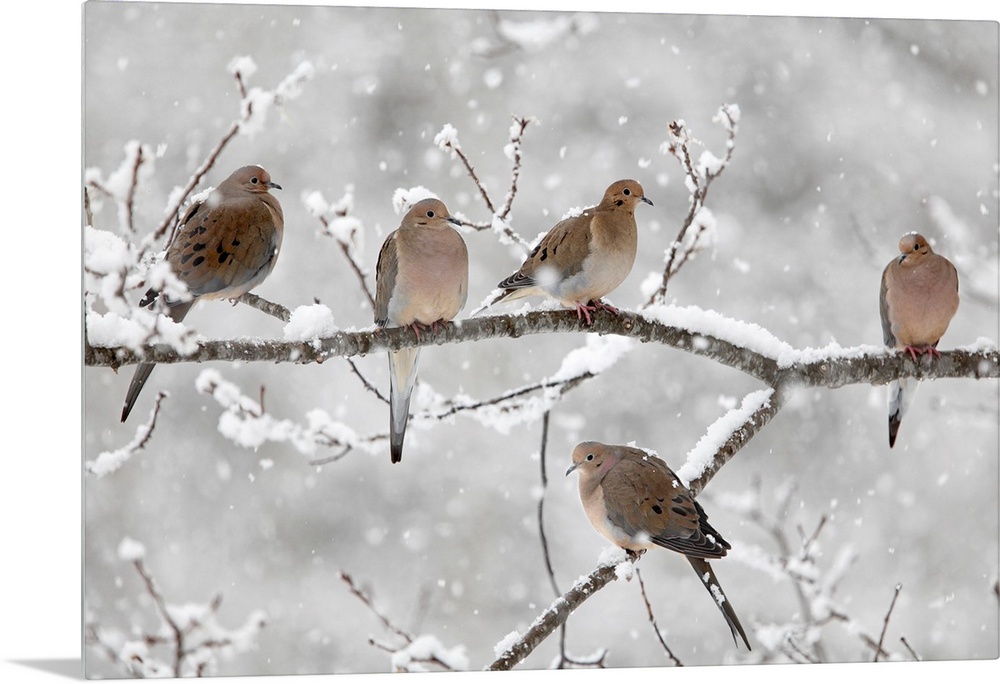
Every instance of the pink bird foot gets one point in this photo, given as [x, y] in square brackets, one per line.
[916, 352]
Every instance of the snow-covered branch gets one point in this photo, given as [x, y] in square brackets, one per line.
[698, 228]
[190, 634]
[447, 140]
[742, 346]
[417, 651]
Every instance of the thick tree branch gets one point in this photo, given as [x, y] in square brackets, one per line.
[835, 369]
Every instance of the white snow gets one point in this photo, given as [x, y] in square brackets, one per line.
[423, 649]
[130, 550]
[700, 457]
[310, 322]
[243, 65]
[506, 643]
[447, 140]
[403, 198]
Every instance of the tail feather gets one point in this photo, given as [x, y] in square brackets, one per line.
[500, 295]
[177, 312]
[707, 577]
[402, 376]
[901, 393]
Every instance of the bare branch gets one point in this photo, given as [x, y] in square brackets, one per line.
[364, 381]
[652, 621]
[365, 599]
[270, 308]
[418, 649]
[885, 623]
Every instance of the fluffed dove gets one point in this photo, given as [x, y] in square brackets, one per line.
[636, 501]
[917, 300]
[421, 279]
[225, 246]
[582, 258]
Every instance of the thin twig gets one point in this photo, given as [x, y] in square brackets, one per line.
[885, 623]
[909, 648]
[364, 381]
[161, 607]
[367, 600]
[359, 272]
[652, 621]
[130, 197]
[680, 148]
[170, 218]
[270, 308]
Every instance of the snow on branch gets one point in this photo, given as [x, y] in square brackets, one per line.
[447, 140]
[812, 572]
[742, 346]
[189, 635]
[417, 652]
[254, 105]
[521, 405]
[245, 422]
[108, 462]
[698, 229]
[346, 229]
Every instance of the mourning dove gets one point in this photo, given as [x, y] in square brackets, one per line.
[225, 246]
[917, 300]
[582, 258]
[422, 279]
[636, 501]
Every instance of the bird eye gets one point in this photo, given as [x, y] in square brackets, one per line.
[254, 180]
[626, 191]
[430, 213]
[590, 457]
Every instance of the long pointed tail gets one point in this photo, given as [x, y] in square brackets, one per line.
[176, 312]
[707, 577]
[402, 376]
[901, 393]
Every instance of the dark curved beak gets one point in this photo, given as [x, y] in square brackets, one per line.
[646, 200]
[274, 185]
[571, 469]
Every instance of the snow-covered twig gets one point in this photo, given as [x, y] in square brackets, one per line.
[520, 646]
[190, 632]
[246, 424]
[699, 222]
[346, 229]
[813, 578]
[108, 462]
[447, 140]
[253, 105]
[416, 651]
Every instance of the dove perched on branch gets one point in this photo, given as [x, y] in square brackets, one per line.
[917, 300]
[422, 279]
[225, 246]
[638, 503]
[582, 258]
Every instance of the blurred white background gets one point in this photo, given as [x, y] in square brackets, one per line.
[852, 132]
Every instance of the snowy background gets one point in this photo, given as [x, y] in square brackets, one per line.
[851, 133]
